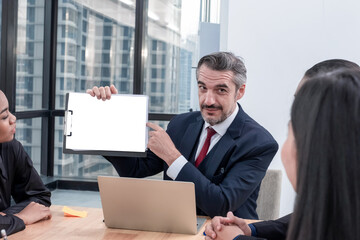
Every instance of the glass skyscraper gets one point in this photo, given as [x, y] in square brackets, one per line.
[95, 47]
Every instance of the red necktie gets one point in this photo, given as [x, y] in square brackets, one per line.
[205, 148]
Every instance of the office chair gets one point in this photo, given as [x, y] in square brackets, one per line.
[268, 202]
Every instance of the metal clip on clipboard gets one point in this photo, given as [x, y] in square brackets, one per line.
[68, 123]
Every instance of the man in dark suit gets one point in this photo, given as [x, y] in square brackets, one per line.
[227, 168]
[276, 229]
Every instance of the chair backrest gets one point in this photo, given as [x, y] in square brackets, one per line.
[268, 202]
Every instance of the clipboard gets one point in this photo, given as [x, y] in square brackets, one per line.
[115, 127]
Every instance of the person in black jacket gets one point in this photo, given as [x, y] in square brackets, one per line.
[277, 229]
[18, 179]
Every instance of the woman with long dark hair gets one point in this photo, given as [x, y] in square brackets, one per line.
[325, 119]
[321, 156]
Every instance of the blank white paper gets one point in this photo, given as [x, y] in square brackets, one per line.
[118, 124]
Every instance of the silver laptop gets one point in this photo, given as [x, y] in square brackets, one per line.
[148, 204]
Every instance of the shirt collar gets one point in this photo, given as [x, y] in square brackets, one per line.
[222, 127]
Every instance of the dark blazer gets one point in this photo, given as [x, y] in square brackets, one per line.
[270, 230]
[229, 177]
[242, 237]
[274, 229]
[20, 181]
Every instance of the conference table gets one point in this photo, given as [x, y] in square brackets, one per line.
[90, 227]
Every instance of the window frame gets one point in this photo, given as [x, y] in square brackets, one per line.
[49, 113]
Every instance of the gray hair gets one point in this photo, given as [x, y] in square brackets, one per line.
[223, 61]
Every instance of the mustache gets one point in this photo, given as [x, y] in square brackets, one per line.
[213, 106]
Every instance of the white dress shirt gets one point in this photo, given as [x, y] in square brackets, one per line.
[220, 129]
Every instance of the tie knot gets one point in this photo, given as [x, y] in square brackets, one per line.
[210, 132]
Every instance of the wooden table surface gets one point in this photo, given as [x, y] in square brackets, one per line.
[90, 227]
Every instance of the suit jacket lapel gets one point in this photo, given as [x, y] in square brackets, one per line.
[213, 160]
[221, 147]
[190, 138]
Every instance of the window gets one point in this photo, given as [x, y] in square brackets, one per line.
[103, 38]
[30, 32]
[126, 31]
[157, 100]
[83, 84]
[69, 84]
[172, 47]
[125, 58]
[31, 14]
[163, 73]
[25, 83]
[154, 73]
[105, 72]
[106, 44]
[107, 31]
[154, 45]
[69, 14]
[29, 66]
[71, 50]
[29, 134]
[83, 40]
[29, 55]
[28, 122]
[153, 59]
[104, 83]
[71, 32]
[83, 70]
[105, 58]
[70, 67]
[126, 45]
[60, 137]
[124, 87]
[95, 46]
[153, 87]
[61, 100]
[62, 49]
[124, 72]
[83, 56]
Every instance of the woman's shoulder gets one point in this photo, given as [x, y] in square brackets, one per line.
[14, 147]
[12, 144]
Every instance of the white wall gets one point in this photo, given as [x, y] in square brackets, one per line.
[279, 40]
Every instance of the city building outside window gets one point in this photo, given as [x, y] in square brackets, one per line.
[95, 47]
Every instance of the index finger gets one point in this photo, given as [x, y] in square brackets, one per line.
[209, 231]
[217, 222]
[91, 92]
[153, 126]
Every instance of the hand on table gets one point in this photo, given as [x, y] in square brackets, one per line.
[220, 227]
[34, 212]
